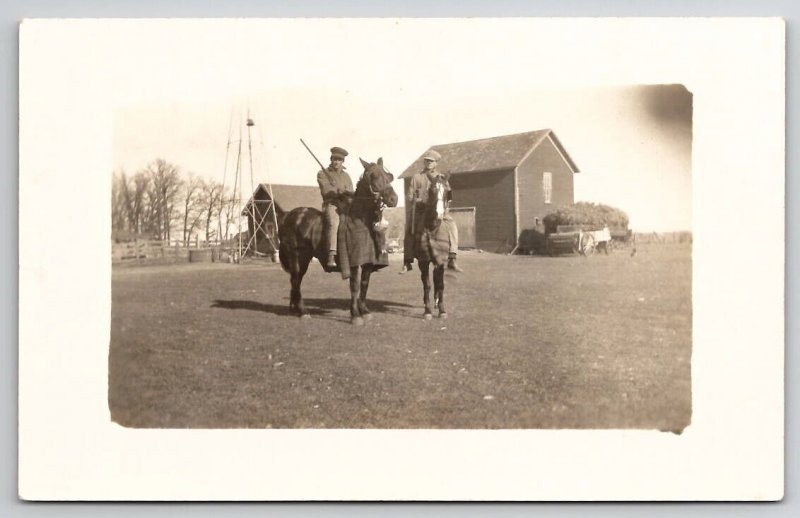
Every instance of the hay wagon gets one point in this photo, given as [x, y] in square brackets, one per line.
[578, 239]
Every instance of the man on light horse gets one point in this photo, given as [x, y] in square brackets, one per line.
[417, 198]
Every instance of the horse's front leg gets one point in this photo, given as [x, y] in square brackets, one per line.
[355, 315]
[426, 288]
[366, 271]
[438, 290]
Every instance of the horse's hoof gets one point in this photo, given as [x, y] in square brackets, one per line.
[443, 315]
[428, 316]
[367, 316]
[357, 321]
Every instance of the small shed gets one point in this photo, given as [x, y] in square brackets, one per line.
[503, 185]
[286, 198]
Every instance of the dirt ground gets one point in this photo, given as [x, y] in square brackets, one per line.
[531, 342]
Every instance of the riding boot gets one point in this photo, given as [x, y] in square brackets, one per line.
[451, 263]
[406, 268]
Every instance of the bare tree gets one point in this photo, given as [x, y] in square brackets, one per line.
[119, 209]
[225, 212]
[163, 188]
[212, 200]
[192, 199]
[231, 216]
[159, 198]
[137, 202]
[129, 202]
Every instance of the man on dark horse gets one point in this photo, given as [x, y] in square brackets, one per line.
[334, 185]
[303, 234]
[416, 198]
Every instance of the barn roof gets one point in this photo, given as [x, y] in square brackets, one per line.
[288, 197]
[490, 154]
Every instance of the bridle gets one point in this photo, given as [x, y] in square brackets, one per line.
[375, 196]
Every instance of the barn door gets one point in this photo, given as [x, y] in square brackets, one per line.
[464, 218]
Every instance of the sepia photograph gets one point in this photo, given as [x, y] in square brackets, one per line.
[403, 259]
[542, 240]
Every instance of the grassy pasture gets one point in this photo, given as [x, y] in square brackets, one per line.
[531, 342]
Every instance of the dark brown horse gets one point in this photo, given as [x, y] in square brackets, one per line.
[433, 244]
[302, 237]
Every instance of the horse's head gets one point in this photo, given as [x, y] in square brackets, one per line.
[379, 182]
[437, 197]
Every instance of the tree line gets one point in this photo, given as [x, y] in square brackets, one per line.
[162, 202]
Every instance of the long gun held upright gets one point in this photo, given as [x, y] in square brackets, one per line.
[317, 159]
[312, 154]
[413, 218]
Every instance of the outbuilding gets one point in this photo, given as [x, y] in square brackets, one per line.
[503, 185]
[259, 215]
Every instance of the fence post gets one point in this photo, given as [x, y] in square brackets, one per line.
[136, 248]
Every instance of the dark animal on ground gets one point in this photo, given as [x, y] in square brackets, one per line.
[360, 250]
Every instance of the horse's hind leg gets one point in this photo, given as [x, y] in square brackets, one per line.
[366, 271]
[299, 267]
[426, 288]
[355, 314]
[294, 293]
[438, 290]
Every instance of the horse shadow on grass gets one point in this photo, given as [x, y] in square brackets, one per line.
[328, 308]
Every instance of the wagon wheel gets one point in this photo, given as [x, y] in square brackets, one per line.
[588, 244]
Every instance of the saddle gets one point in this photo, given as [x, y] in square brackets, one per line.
[358, 245]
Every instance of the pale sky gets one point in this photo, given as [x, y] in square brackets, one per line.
[632, 144]
[394, 87]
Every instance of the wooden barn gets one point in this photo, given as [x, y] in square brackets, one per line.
[503, 185]
[287, 197]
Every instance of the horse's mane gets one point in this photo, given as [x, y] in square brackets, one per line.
[361, 204]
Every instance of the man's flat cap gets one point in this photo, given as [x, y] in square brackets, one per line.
[432, 155]
[338, 152]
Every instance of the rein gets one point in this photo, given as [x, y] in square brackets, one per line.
[375, 195]
[376, 198]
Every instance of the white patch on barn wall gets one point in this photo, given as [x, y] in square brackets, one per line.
[547, 186]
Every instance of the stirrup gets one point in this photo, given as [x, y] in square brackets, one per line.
[330, 262]
[451, 265]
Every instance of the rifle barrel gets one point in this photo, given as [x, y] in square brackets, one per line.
[312, 154]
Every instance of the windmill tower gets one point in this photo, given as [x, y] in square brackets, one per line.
[254, 219]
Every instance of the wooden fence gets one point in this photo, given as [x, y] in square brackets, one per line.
[147, 249]
[662, 237]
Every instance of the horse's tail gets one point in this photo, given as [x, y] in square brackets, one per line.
[284, 251]
[283, 254]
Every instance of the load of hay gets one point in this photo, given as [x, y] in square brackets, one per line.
[587, 214]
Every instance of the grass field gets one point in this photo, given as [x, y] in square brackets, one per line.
[531, 342]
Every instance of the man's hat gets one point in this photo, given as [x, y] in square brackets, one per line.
[432, 155]
[338, 152]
